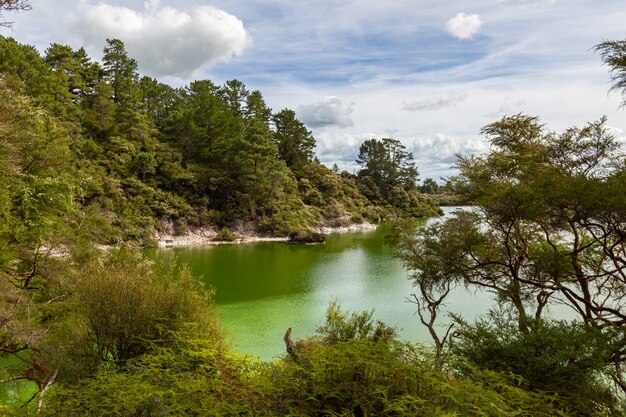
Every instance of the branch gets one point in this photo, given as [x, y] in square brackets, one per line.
[13, 378]
[44, 389]
[291, 347]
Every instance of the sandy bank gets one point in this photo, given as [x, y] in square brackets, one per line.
[205, 236]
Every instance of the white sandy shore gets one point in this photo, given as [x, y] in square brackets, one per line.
[205, 236]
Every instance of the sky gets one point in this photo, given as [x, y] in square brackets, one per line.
[430, 73]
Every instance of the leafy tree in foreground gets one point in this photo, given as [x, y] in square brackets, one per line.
[550, 228]
[567, 358]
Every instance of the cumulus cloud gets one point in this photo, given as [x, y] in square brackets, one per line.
[330, 111]
[165, 41]
[464, 26]
[440, 147]
[339, 148]
[435, 103]
[435, 155]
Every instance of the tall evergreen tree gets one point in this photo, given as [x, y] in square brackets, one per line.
[121, 72]
[295, 143]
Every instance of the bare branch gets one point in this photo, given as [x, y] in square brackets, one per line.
[45, 388]
[12, 6]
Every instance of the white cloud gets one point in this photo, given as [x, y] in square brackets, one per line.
[444, 147]
[464, 26]
[339, 148]
[435, 156]
[164, 40]
[435, 103]
[330, 111]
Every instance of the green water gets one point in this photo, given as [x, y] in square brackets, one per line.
[264, 288]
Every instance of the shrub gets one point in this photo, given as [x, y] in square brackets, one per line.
[225, 235]
[567, 358]
[306, 236]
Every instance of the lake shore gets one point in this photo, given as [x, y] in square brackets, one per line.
[206, 236]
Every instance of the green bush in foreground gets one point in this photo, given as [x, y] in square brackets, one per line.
[567, 358]
[355, 367]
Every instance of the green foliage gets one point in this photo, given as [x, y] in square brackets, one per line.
[96, 154]
[549, 230]
[429, 186]
[567, 358]
[225, 235]
[193, 376]
[351, 370]
[295, 143]
[357, 368]
[199, 155]
[306, 236]
[388, 177]
[340, 327]
[335, 198]
[37, 182]
[388, 164]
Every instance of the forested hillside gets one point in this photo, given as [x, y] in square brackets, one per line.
[133, 153]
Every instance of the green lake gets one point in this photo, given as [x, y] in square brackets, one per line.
[261, 289]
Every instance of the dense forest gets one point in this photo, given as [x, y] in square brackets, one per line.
[138, 154]
[92, 153]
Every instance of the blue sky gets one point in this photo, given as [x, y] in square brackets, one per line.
[430, 73]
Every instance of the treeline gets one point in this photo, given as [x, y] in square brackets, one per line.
[138, 152]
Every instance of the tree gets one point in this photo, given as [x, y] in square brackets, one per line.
[388, 164]
[157, 99]
[614, 55]
[37, 215]
[295, 143]
[429, 186]
[120, 71]
[234, 94]
[129, 306]
[81, 74]
[550, 227]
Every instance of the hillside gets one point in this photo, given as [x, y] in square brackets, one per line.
[133, 154]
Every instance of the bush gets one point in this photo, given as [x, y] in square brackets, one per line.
[356, 367]
[306, 236]
[357, 218]
[225, 235]
[567, 358]
[127, 305]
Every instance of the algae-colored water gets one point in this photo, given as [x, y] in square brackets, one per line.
[264, 288]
